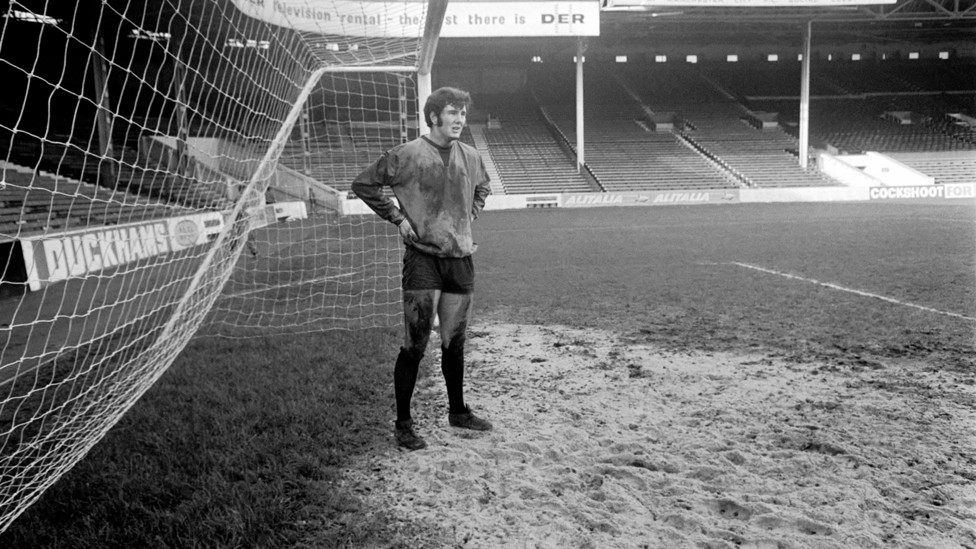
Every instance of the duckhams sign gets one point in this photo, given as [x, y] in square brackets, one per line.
[405, 18]
[50, 259]
[53, 258]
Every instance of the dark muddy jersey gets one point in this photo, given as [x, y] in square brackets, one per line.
[440, 200]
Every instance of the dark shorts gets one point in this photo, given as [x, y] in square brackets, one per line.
[428, 272]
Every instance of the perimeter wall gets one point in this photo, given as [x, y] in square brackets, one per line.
[955, 191]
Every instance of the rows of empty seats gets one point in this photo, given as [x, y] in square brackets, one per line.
[940, 76]
[73, 157]
[858, 123]
[955, 128]
[201, 189]
[50, 151]
[851, 125]
[671, 84]
[775, 80]
[763, 157]
[626, 156]
[474, 136]
[653, 165]
[859, 78]
[895, 139]
[710, 146]
[54, 181]
[33, 202]
[334, 167]
[621, 150]
[942, 146]
[338, 152]
[716, 126]
[945, 167]
[853, 78]
[526, 154]
[536, 168]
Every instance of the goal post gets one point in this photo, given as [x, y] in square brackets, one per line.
[177, 173]
[366, 109]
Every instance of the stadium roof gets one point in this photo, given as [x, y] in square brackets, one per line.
[900, 10]
[914, 21]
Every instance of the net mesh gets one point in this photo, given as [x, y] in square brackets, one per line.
[329, 270]
[176, 168]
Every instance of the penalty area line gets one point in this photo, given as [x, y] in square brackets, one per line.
[862, 293]
[302, 283]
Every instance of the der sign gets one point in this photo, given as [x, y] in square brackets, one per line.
[486, 19]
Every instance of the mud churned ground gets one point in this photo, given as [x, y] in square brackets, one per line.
[602, 441]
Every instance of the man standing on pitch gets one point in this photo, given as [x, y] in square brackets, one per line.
[441, 185]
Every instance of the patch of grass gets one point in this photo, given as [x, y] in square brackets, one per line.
[240, 444]
[666, 276]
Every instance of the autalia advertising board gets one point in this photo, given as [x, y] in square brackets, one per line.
[650, 198]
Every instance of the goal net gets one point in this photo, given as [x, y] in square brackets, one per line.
[174, 168]
[330, 270]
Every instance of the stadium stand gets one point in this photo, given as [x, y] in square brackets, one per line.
[722, 129]
[336, 167]
[946, 167]
[339, 145]
[201, 189]
[763, 157]
[958, 128]
[716, 140]
[892, 107]
[475, 136]
[855, 78]
[56, 181]
[622, 151]
[938, 76]
[529, 158]
[861, 124]
[763, 80]
[889, 106]
[769, 80]
[132, 169]
[32, 202]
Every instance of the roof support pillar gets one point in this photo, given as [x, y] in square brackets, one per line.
[580, 50]
[104, 118]
[428, 47]
[805, 96]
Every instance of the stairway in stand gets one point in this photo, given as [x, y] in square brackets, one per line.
[480, 143]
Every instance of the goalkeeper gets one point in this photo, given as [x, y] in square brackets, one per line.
[441, 185]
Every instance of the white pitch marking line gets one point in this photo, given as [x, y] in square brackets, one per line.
[833, 286]
[302, 283]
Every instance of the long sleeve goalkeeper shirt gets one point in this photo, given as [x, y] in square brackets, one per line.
[439, 199]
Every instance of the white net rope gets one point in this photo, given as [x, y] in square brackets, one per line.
[329, 270]
[175, 167]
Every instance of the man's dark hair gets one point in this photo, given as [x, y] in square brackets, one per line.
[442, 97]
